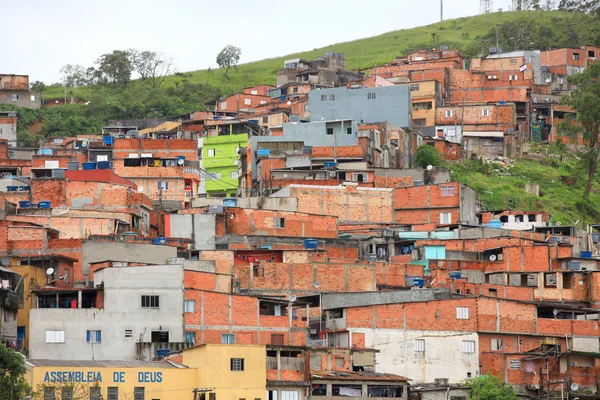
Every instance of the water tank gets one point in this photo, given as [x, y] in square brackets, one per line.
[88, 166]
[586, 254]
[44, 204]
[103, 164]
[160, 240]
[72, 165]
[495, 224]
[311, 243]
[263, 153]
[108, 140]
[455, 275]
[24, 204]
[162, 352]
[419, 282]
[58, 173]
[230, 202]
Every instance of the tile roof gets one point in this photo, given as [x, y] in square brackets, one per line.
[355, 376]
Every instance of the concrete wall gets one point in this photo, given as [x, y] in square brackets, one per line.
[435, 176]
[257, 203]
[8, 131]
[391, 104]
[200, 228]
[443, 356]
[123, 288]
[122, 251]
[469, 205]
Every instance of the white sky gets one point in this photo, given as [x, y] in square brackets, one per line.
[45, 35]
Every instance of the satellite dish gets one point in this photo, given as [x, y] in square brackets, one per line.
[293, 297]
[60, 210]
[289, 103]
[180, 161]
[555, 312]
[49, 271]
[548, 80]
[322, 118]
[231, 216]
[574, 386]
[429, 168]
[558, 223]
[493, 257]
[83, 144]
[140, 189]
[317, 285]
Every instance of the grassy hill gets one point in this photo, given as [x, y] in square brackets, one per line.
[542, 28]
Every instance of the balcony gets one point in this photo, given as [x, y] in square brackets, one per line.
[9, 300]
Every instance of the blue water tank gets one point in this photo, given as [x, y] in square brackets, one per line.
[162, 352]
[102, 165]
[160, 241]
[419, 282]
[108, 140]
[230, 202]
[455, 275]
[263, 152]
[311, 243]
[586, 254]
[24, 204]
[44, 204]
[329, 164]
[495, 224]
[88, 166]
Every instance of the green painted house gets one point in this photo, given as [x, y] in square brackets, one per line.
[220, 162]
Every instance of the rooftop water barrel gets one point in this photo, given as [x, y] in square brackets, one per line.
[495, 224]
[88, 166]
[230, 202]
[311, 243]
[586, 254]
[160, 240]
[72, 165]
[24, 204]
[107, 140]
[58, 173]
[103, 164]
[44, 204]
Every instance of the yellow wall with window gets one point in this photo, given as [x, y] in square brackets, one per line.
[160, 380]
[214, 365]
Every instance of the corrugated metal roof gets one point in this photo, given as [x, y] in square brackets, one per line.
[106, 364]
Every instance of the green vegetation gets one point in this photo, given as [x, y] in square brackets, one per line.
[12, 374]
[561, 186]
[428, 155]
[487, 387]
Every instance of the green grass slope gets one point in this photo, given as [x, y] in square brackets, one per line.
[467, 33]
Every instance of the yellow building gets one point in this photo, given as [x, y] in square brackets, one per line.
[131, 380]
[232, 371]
[425, 97]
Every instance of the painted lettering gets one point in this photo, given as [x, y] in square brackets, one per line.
[149, 377]
[79, 377]
[119, 377]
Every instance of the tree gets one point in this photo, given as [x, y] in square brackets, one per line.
[73, 75]
[38, 87]
[151, 65]
[114, 67]
[585, 6]
[428, 155]
[229, 57]
[585, 100]
[12, 374]
[487, 387]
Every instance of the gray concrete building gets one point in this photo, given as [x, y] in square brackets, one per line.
[380, 104]
[14, 89]
[143, 310]
[8, 127]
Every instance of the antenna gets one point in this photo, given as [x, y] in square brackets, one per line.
[293, 298]
[485, 6]
[60, 210]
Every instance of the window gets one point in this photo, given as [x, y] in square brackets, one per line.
[215, 176]
[332, 97]
[591, 54]
[497, 344]
[371, 96]
[419, 345]
[49, 393]
[212, 396]
[445, 218]
[210, 152]
[224, 105]
[95, 393]
[575, 56]
[247, 102]
[330, 131]
[485, 112]
[451, 132]
[513, 61]
[513, 77]
[113, 393]
[468, 346]
[420, 122]
[448, 113]
[162, 185]
[150, 302]
[414, 87]
[93, 336]
[493, 292]
[15, 97]
[279, 222]
[277, 339]
[159, 336]
[55, 336]
[384, 391]
[349, 131]
[32, 97]
[236, 364]
[323, 97]
[462, 312]
[447, 191]
[263, 102]
[254, 92]
[561, 80]
[128, 333]
[319, 389]
[66, 393]
[189, 306]
[346, 390]
[190, 337]
[315, 363]
[138, 393]
[228, 338]
[234, 175]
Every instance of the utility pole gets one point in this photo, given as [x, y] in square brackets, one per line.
[497, 39]
[441, 10]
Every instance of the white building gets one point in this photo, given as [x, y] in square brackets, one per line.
[142, 312]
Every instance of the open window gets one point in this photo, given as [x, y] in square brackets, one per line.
[277, 310]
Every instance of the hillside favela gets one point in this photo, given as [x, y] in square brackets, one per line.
[414, 215]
